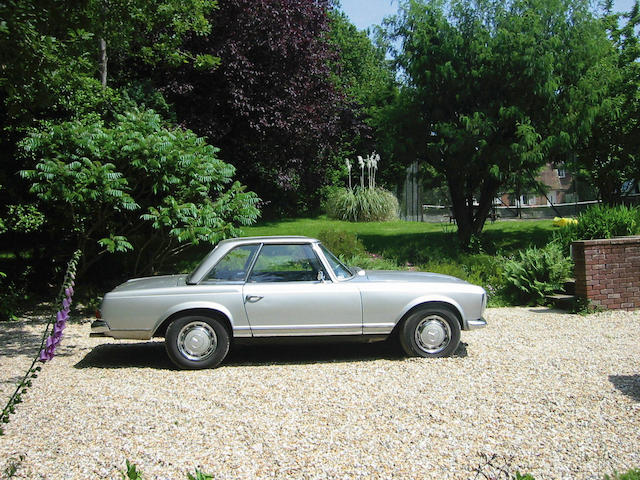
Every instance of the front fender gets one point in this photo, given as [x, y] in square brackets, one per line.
[430, 299]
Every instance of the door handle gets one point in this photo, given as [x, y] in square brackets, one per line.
[253, 298]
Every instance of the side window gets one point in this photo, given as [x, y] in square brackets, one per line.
[286, 263]
[233, 266]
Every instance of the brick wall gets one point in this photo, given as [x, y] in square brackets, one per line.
[608, 271]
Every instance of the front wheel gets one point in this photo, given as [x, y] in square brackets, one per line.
[196, 342]
[430, 332]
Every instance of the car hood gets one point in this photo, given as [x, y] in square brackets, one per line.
[402, 276]
[147, 283]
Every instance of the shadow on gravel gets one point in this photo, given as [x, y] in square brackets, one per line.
[627, 384]
[153, 354]
[16, 340]
[127, 355]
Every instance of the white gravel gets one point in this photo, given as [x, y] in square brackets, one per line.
[558, 394]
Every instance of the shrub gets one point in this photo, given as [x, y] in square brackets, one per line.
[633, 474]
[341, 243]
[600, 221]
[134, 184]
[535, 273]
[371, 261]
[362, 205]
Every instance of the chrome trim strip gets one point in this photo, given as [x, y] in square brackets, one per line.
[305, 330]
[377, 328]
[476, 324]
[240, 332]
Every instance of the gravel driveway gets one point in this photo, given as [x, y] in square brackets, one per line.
[558, 393]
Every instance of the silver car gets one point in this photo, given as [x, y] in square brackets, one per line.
[288, 287]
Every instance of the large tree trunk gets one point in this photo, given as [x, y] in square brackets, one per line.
[470, 219]
[103, 62]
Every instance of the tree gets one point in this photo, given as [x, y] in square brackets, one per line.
[148, 31]
[366, 77]
[610, 154]
[139, 186]
[270, 106]
[494, 83]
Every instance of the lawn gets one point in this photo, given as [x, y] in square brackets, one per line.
[415, 242]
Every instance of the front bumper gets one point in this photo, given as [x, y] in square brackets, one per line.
[99, 328]
[476, 324]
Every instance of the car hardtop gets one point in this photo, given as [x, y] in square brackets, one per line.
[272, 239]
[229, 244]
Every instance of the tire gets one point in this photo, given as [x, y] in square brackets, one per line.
[430, 332]
[196, 341]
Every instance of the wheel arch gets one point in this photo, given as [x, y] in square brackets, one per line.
[448, 304]
[217, 312]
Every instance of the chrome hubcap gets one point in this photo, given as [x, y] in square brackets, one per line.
[197, 340]
[432, 334]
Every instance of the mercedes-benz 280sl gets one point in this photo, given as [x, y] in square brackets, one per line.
[288, 287]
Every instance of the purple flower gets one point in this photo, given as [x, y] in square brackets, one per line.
[57, 330]
[66, 303]
[44, 356]
[48, 351]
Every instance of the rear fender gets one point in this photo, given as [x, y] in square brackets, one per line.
[212, 306]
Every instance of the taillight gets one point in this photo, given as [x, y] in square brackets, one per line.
[98, 314]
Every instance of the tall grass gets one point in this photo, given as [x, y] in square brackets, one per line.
[362, 205]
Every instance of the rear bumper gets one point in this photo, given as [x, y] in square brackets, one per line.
[476, 324]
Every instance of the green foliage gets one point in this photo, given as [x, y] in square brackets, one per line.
[137, 185]
[632, 474]
[341, 243]
[152, 31]
[492, 85]
[362, 205]
[534, 273]
[132, 472]
[24, 218]
[609, 154]
[600, 221]
[199, 476]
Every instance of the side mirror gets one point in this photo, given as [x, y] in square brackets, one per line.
[321, 277]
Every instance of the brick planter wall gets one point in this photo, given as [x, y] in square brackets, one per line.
[608, 271]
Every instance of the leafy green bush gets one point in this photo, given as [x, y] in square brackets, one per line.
[135, 184]
[535, 273]
[362, 205]
[632, 474]
[600, 221]
[371, 261]
[341, 243]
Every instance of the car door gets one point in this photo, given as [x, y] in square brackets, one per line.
[285, 295]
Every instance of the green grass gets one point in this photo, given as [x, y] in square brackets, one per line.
[415, 242]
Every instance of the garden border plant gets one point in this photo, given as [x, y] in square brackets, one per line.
[51, 338]
[364, 203]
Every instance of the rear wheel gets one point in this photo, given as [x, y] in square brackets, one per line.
[196, 342]
[430, 332]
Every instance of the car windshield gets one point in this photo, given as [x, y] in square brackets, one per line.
[339, 268]
[204, 260]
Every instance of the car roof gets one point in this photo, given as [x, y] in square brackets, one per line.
[270, 239]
